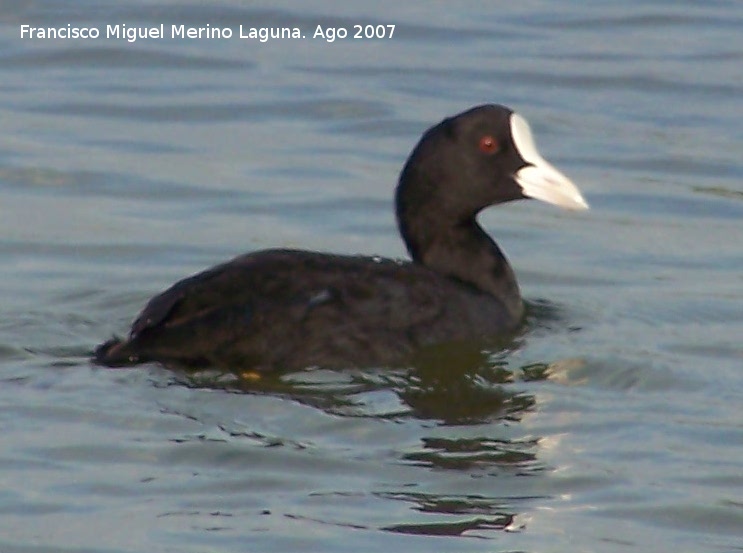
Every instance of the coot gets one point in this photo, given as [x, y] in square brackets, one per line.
[291, 309]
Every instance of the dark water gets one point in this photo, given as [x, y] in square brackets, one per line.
[614, 423]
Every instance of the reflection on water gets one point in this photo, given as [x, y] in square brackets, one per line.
[473, 513]
[444, 388]
[513, 457]
[450, 386]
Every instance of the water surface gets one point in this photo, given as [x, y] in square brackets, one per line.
[613, 423]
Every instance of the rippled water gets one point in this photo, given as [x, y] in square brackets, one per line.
[613, 423]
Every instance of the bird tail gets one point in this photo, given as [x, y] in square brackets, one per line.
[116, 353]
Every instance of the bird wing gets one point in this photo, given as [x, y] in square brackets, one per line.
[298, 286]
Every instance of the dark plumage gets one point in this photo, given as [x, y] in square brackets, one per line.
[289, 309]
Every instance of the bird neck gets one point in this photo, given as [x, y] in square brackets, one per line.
[463, 251]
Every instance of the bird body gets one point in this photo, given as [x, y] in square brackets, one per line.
[250, 312]
[290, 309]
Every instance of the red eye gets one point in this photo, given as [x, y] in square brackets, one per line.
[489, 145]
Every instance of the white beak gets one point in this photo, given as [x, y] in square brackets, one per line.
[539, 179]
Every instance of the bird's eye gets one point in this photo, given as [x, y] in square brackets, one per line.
[489, 145]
